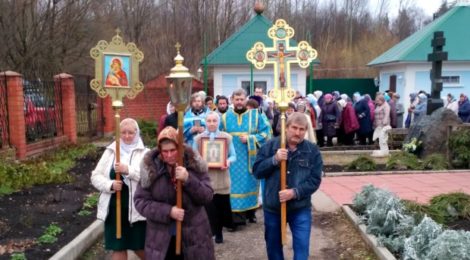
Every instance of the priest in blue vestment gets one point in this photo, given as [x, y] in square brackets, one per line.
[250, 131]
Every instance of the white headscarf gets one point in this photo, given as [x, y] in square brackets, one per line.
[126, 149]
[318, 94]
[212, 135]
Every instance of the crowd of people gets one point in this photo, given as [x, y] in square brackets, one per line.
[227, 195]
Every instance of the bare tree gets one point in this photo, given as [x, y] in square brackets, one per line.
[50, 36]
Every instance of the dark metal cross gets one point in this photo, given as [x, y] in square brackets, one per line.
[436, 57]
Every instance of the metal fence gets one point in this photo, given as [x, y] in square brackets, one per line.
[89, 112]
[4, 132]
[42, 109]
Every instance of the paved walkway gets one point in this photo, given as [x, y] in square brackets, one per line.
[417, 187]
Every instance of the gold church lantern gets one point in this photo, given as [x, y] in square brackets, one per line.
[179, 82]
[179, 87]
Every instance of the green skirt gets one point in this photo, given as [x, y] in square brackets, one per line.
[132, 235]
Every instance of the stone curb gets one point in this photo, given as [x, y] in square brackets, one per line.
[338, 174]
[81, 243]
[381, 252]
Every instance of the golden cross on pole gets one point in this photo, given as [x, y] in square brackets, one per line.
[281, 56]
[178, 46]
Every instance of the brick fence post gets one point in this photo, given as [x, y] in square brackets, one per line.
[16, 119]
[108, 114]
[69, 118]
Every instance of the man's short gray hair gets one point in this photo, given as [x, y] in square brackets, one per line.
[239, 92]
[297, 118]
[194, 96]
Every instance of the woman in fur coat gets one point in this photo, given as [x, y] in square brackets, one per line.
[155, 199]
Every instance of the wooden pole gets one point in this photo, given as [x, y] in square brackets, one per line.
[117, 118]
[283, 175]
[179, 187]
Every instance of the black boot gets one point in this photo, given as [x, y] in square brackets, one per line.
[250, 215]
[219, 238]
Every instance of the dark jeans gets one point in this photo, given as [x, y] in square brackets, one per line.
[300, 222]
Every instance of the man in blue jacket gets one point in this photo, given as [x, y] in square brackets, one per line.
[304, 167]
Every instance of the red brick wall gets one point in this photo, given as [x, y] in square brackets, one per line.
[16, 119]
[68, 105]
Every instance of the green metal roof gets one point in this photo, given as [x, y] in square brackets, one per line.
[417, 46]
[233, 50]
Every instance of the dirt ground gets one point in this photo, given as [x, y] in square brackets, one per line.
[333, 237]
[25, 215]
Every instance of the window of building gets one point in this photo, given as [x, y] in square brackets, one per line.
[451, 80]
[257, 84]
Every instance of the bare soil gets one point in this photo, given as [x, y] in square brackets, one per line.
[460, 224]
[26, 214]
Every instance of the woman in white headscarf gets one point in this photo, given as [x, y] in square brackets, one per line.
[310, 133]
[219, 210]
[132, 151]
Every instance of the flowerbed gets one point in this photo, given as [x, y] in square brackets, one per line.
[410, 230]
[38, 220]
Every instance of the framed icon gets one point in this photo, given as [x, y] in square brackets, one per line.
[214, 152]
[117, 70]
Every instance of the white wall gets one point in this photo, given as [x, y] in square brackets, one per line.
[228, 78]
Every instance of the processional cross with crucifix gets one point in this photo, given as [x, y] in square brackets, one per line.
[281, 56]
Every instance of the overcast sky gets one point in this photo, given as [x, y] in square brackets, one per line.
[429, 6]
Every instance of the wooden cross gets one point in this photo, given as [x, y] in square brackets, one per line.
[281, 55]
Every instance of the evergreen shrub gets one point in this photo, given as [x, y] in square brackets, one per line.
[362, 163]
[451, 244]
[148, 132]
[459, 145]
[435, 162]
[417, 244]
[385, 217]
[449, 207]
[404, 161]
[396, 225]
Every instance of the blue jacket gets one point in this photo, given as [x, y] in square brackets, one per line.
[304, 168]
[464, 111]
